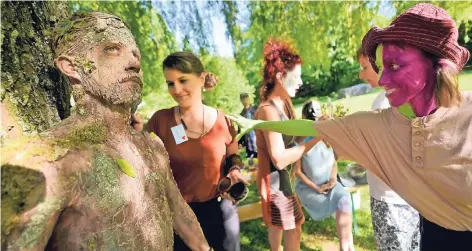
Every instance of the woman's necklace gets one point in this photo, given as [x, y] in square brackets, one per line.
[201, 134]
[186, 128]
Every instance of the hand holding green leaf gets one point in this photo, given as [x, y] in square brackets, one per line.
[245, 124]
[298, 127]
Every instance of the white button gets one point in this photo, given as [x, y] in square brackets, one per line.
[418, 158]
[417, 144]
[417, 133]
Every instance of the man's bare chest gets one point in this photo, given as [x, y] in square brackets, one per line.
[122, 175]
[114, 208]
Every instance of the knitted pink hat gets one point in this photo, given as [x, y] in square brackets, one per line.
[424, 26]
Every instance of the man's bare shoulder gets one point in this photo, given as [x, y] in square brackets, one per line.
[156, 144]
[69, 140]
[31, 175]
[46, 155]
[50, 159]
[153, 149]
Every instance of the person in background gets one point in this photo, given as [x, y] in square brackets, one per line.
[282, 211]
[249, 140]
[396, 224]
[317, 186]
[202, 150]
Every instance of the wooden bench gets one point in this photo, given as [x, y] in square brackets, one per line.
[250, 212]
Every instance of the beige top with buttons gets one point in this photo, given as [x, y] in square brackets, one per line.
[426, 160]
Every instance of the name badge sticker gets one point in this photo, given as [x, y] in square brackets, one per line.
[179, 134]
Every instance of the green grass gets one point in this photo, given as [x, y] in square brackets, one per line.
[465, 81]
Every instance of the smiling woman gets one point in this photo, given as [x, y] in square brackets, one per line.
[202, 148]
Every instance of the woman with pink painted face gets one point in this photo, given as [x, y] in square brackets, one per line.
[395, 223]
[421, 147]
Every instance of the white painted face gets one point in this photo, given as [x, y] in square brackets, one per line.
[293, 80]
[312, 111]
[316, 109]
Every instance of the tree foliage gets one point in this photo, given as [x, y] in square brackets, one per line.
[155, 25]
[326, 34]
[231, 83]
[459, 10]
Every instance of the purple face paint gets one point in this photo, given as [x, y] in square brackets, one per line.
[408, 76]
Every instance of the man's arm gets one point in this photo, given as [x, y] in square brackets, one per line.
[32, 201]
[185, 223]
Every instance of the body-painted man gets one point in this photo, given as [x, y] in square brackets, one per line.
[92, 182]
[420, 147]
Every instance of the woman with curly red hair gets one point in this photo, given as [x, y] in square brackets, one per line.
[281, 208]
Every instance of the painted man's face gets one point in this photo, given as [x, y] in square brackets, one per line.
[405, 73]
[114, 72]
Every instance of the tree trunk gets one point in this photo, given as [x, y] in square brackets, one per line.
[33, 95]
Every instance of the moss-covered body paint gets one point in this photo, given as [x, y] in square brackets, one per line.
[82, 136]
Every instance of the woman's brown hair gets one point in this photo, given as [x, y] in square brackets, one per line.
[446, 90]
[187, 62]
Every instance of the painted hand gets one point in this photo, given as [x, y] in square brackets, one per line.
[245, 124]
